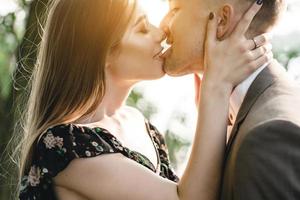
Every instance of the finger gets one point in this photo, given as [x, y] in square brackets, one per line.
[262, 39]
[264, 59]
[247, 18]
[211, 31]
[259, 41]
[256, 53]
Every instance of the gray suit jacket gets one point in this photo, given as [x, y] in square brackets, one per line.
[262, 159]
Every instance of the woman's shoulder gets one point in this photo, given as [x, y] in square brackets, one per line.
[57, 148]
[60, 144]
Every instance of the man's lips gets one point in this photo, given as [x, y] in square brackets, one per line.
[158, 54]
[164, 52]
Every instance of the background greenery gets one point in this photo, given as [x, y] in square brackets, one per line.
[18, 45]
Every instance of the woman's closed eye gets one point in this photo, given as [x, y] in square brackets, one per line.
[174, 11]
[143, 27]
[142, 24]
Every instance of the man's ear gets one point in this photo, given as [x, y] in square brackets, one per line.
[225, 21]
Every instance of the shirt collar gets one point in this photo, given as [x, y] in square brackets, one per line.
[239, 93]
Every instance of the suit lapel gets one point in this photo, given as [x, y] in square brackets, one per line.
[264, 80]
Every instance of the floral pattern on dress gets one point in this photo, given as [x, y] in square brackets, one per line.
[166, 170]
[51, 141]
[34, 176]
[60, 144]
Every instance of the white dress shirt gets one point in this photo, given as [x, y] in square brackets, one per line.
[238, 95]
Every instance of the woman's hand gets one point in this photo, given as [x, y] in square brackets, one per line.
[232, 60]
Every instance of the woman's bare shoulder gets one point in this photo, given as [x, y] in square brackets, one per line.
[114, 176]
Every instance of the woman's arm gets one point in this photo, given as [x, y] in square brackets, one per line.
[114, 177]
[201, 178]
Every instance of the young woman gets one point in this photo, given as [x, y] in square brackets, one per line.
[82, 142]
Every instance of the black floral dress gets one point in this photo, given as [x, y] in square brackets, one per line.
[59, 145]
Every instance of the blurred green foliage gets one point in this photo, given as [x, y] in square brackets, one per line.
[8, 44]
[137, 100]
[176, 145]
[285, 56]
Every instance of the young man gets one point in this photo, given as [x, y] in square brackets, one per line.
[263, 151]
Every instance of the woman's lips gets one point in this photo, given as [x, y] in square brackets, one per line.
[158, 54]
[166, 52]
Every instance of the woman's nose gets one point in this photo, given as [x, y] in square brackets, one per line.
[164, 25]
[163, 35]
[158, 34]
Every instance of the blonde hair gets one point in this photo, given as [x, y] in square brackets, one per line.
[68, 80]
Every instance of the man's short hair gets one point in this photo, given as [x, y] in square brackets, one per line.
[266, 17]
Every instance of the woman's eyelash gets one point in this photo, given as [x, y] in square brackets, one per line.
[143, 27]
[174, 11]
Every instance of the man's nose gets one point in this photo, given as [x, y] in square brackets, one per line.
[163, 35]
[158, 34]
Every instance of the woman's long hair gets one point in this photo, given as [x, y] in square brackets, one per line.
[68, 80]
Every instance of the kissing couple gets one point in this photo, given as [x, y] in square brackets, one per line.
[80, 141]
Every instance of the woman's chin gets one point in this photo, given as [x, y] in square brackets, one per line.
[159, 66]
[156, 75]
